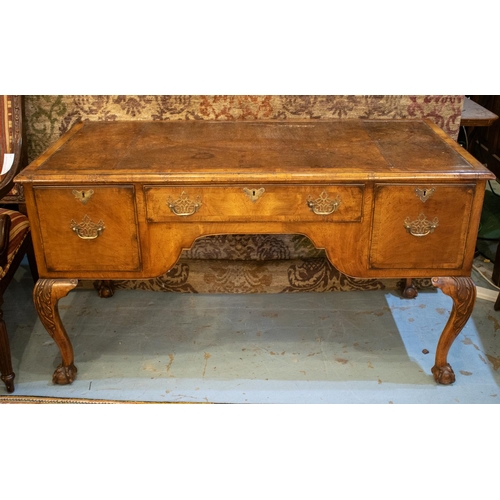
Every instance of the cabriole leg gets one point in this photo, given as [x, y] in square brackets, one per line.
[463, 292]
[46, 296]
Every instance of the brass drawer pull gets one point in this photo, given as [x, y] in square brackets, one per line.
[183, 207]
[323, 205]
[421, 226]
[88, 230]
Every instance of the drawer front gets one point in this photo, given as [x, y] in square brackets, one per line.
[88, 228]
[335, 203]
[420, 226]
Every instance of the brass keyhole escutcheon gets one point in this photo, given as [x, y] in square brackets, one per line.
[424, 193]
[83, 195]
[254, 194]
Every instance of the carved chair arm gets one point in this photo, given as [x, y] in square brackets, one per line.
[18, 148]
[7, 180]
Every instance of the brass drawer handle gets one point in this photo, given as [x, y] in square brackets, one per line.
[323, 205]
[88, 230]
[183, 207]
[421, 226]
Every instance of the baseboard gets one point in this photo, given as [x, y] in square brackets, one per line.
[487, 294]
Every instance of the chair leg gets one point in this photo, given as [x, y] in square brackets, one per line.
[496, 306]
[495, 277]
[5, 358]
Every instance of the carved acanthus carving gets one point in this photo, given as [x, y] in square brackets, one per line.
[462, 290]
[46, 295]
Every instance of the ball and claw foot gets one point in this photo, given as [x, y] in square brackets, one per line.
[105, 288]
[443, 374]
[64, 374]
[408, 290]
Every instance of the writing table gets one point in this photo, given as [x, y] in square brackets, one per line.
[385, 199]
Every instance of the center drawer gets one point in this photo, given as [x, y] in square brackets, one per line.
[335, 203]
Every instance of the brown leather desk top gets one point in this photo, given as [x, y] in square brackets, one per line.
[286, 151]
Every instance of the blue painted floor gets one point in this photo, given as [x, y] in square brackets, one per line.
[346, 347]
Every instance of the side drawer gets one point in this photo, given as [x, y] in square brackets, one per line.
[88, 228]
[420, 226]
[335, 203]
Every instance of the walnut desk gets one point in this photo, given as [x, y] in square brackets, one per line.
[121, 200]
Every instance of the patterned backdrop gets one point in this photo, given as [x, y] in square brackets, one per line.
[240, 263]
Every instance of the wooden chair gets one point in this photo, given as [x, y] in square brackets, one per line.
[15, 236]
